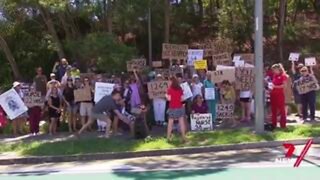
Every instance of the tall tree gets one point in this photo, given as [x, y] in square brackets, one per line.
[4, 46]
[281, 24]
[109, 15]
[166, 21]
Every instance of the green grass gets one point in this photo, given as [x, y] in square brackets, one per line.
[96, 145]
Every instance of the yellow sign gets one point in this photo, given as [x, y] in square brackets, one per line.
[200, 64]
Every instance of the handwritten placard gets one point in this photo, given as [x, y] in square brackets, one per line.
[102, 89]
[201, 122]
[193, 55]
[310, 61]
[12, 104]
[158, 89]
[156, 64]
[222, 59]
[209, 94]
[187, 93]
[245, 77]
[174, 51]
[223, 74]
[225, 111]
[306, 84]
[136, 64]
[174, 70]
[82, 94]
[32, 99]
[200, 64]
[246, 57]
[294, 56]
[216, 46]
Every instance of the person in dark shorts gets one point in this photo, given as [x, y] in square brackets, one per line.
[54, 103]
[102, 110]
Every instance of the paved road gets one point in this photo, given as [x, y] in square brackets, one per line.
[237, 165]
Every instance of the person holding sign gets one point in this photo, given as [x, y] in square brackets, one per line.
[34, 114]
[210, 99]
[176, 110]
[17, 123]
[308, 99]
[296, 76]
[277, 96]
[196, 86]
[159, 106]
[227, 92]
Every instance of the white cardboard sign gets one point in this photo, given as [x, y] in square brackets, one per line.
[187, 93]
[193, 55]
[102, 89]
[310, 61]
[209, 94]
[12, 104]
[201, 122]
[294, 56]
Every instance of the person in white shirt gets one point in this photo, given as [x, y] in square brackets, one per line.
[159, 106]
[196, 86]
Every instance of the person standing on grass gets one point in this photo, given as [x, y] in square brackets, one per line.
[159, 106]
[71, 107]
[212, 102]
[102, 111]
[86, 106]
[176, 110]
[135, 83]
[308, 100]
[297, 97]
[34, 116]
[55, 107]
[17, 123]
[277, 96]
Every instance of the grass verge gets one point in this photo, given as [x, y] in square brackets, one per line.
[96, 145]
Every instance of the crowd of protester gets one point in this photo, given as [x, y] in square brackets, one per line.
[130, 97]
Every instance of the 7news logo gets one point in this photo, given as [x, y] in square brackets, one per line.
[290, 150]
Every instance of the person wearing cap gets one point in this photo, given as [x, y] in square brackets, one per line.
[296, 75]
[159, 106]
[60, 68]
[308, 99]
[18, 122]
[53, 82]
[211, 103]
[196, 85]
[277, 97]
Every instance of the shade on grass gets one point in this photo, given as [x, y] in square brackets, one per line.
[195, 139]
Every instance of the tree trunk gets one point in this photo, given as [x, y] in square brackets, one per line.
[65, 25]
[166, 21]
[47, 19]
[201, 13]
[10, 58]
[281, 23]
[109, 16]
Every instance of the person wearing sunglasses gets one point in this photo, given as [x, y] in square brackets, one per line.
[295, 69]
[277, 97]
[308, 99]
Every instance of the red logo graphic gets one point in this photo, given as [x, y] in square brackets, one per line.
[303, 153]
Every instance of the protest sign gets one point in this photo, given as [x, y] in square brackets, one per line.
[173, 70]
[209, 94]
[174, 51]
[32, 99]
[222, 59]
[239, 63]
[216, 46]
[225, 111]
[12, 104]
[246, 57]
[244, 78]
[187, 93]
[310, 61]
[158, 89]
[156, 64]
[200, 64]
[102, 89]
[223, 74]
[164, 72]
[294, 56]
[193, 55]
[306, 84]
[136, 64]
[236, 58]
[83, 94]
[201, 122]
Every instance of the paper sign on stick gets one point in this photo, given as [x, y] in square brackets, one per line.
[294, 56]
[311, 61]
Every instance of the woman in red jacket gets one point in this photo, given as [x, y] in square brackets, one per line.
[176, 110]
[277, 97]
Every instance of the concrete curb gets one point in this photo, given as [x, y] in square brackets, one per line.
[178, 151]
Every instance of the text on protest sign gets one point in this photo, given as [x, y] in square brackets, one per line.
[223, 74]
[156, 64]
[187, 93]
[201, 122]
[310, 61]
[174, 51]
[222, 59]
[101, 90]
[12, 104]
[216, 46]
[200, 64]
[158, 89]
[136, 64]
[82, 94]
[173, 70]
[225, 111]
[247, 57]
[32, 99]
[193, 55]
[294, 56]
[244, 78]
[306, 84]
